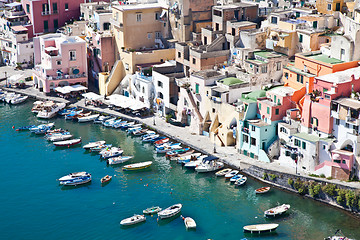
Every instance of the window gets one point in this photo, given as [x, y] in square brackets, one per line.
[66, 6]
[315, 24]
[46, 26]
[337, 121]
[55, 10]
[337, 7]
[161, 95]
[27, 8]
[268, 110]
[138, 17]
[314, 121]
[297, 142]
[253, 128]
[143, 89]
[157, 35]
[194, 61]
[276, 111]
[282, 129]
[347, 125]
[213, 110]
[274, 98]
[253, 141]
[356, 128]
[72, 55]
[259, 106]
[157, 16]
[179, 54]
[197, 86]
[106, 26]
[217, 13]
[329, 7]
[160, 84]
[324, 146]
[278, 66]
[58, 62]
[246, 138]
[56, 23]
[327, 96]
[300, 78]
[149, 35]
[286, 75]
[274, 20]
[303, 145]
[264, 69]
[300, 38]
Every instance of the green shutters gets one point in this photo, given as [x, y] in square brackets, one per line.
[268, 110]
[259, 106]
[197, 88]
[300, 38]
[277, 111]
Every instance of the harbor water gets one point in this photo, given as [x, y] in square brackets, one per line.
[35, 206]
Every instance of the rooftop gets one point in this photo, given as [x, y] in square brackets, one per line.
[258, 122]
[206, 74]
[318, 56]
[299, 71]
[242, 24]
[230, 81]
[348, 102]
[138, 6]
[282, 91]
[311, 138]
[234, 5]
[253, 96]
[267, 54]
[341, 77]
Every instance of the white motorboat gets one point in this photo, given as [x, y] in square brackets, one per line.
[259, 228]
[112, 152]
[101, 119]
[76, 178]
[231, 174]
[276, 211]
[93, 144]
[50, 111]
[37, 106]
[59, 137]
[109, 122]
[67, 143]
[235, 178]
[42, 128]
[18, 100]
[170, 211]
[119, 159]
[338, 236]
[209, 164]
[188, 158]
[133, 220]
[152, 210]
[149, 138]
[10, 96]
[189, 222]
[88, 118]
[194, 164]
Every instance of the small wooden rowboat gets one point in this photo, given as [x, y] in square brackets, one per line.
[67, 143]
[262, 190]
[152, 210]
[106, 179]
[189, 222]
[260, 228]
[276, 211]
[137, 166]
[223, 172]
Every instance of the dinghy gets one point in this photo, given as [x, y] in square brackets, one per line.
[133, 220]
[189, 222]
[276, 211]
[260, 228]
[68, 143]
[152, 210]
[137, 166]
[119, 159]
[262, 190]
[170, 211]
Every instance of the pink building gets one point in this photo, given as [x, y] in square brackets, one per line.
[48, 15]
[59, 61]
[317, 104]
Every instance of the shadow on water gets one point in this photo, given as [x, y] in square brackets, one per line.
[64, 148]
[261, 235]
[132, 226]
[162, 222]
[64, 188]
[137, 171]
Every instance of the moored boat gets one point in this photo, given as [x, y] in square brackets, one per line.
[50, 111]
[276, 211]
[25, 128]
[262, 190]
[100, 147]
[101, 119]
[231, 174]
[241, 181]
[68, 143]
[118, 160]
[161, 141]
[66, 111]
[235, 178]
[188, 158]
[88, 118]
[73, 114]
[170, 211]
[133, 220]
[59, 137]
[76, 178]
[93, 144]
[137, 166]
[223, 172]
[187, 153]
[176, 152]
[338, 236]
[260, 228]
[189, 222]
[112, 152]
[106, 179]
[152, 210]
[18, 100]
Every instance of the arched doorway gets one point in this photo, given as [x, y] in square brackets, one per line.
[348, 145]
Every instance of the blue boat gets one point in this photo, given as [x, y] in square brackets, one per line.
[235, 178]
[41, 129]
[25, 128]
[72, 114]
[66, 111]
[156, 139]
[74, 179]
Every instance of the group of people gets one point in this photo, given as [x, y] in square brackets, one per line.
[95, 103]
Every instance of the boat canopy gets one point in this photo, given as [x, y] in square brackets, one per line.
[210, 158]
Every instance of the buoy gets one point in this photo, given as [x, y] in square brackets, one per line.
[170, 192]
[147, 185]
[13, 127]
[140, 179]
[113, 203]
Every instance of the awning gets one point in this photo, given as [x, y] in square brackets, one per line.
[62, 90]
[163, 13]
[125, 102]
[92, 96]
[19, 28]
[210, 158]
[14, 4]
[15, 78]
[78, 87]
[50, 49]
[69, 89]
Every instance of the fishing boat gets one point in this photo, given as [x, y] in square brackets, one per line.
[59, 137]
[241, 181]
[106, 179]
[167, 148]
[37, 106]
[262, 190]
[235, 178]
[76, 178]
[109, 122]
[161, 141]
[134, 128]
[189, 222]
[10, 96]
[51, 111]
[137, 166]
[177, 151]
[157, 139]
[188, 158]
[133, 220]
[43, 128]
[209, 164]
[152, 210]
[338, 236]
[18, 100]
[118, 124]
[260, 228]
[176, 156]
[81, 115]
[118, 160]
[25, 128]
[112, 152]
[68, 143]
[170, 211]
[127, 125]
[149, 138]
[101, 119]
[66, 111]
[194, 164]
[89, 118]
[100, 147]
[93, 144]
[231, 174]
[223, 172]
[276, 211]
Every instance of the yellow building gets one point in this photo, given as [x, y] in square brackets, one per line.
[330, 6]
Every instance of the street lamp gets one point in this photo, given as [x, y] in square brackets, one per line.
[214, 143]
[6, 79]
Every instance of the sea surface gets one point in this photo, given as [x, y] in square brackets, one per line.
[35, 206]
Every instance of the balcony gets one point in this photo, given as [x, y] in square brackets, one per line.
[45, 13]
[335, 114]
[353, 121]
[116, 23]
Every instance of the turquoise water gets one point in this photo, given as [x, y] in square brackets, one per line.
[34, 206]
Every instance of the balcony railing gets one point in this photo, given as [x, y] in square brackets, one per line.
[116, 23]
[65, 76]
[44, 13]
